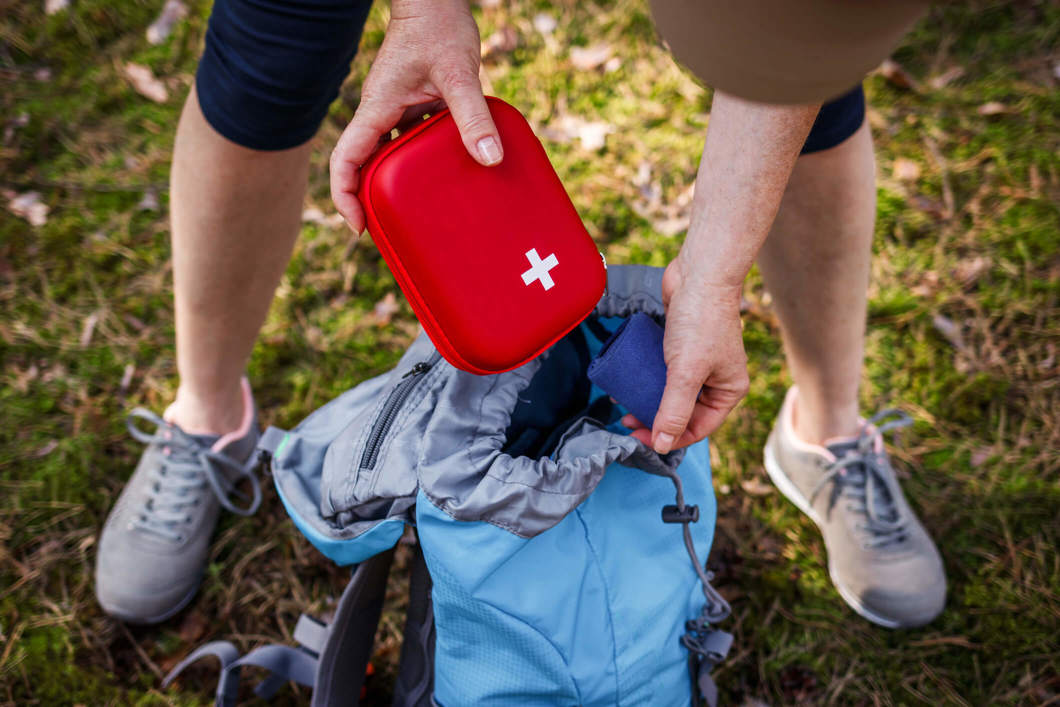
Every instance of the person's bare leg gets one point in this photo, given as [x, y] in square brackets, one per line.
[235, 214]
[815, 264]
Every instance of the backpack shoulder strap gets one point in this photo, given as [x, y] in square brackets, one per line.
[415, 680]
[332, 659]
[344, 659]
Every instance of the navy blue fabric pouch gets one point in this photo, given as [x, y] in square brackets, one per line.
[630, 367]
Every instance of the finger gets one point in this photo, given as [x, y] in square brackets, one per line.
[413, 115]
[633, 423]
[642, 435]
[463, 94]
[373, 120]
[675, 410]
[710, 410]
[344, 181]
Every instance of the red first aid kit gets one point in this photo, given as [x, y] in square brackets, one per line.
[494, 260]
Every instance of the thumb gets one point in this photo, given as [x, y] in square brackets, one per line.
[462, 92]
[675, 410]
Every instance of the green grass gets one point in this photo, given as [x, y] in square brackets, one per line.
[973, 239]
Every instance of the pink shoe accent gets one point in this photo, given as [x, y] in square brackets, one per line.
[248, 419]
[244, 425]
[787, 427]
[864, 428]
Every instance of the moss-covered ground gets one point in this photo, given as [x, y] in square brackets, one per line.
[964, 334]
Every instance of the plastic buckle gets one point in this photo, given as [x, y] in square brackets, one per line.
[673, 514]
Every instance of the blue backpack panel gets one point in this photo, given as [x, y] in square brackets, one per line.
[564, 559]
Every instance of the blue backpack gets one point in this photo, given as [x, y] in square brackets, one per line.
[559, 561]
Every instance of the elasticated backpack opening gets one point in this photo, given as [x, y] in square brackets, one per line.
[560, 392]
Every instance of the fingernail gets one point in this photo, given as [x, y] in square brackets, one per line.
[663, 443]
[489, 150]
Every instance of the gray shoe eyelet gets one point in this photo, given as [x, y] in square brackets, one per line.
[187, 519]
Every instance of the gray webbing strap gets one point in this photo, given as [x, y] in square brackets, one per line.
[414, 686]
[227, 690]
[284, 663]
[271, 439]
[311, 634]
[344, 658]
[332, 658]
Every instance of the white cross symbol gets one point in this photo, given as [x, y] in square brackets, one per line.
[539, 269]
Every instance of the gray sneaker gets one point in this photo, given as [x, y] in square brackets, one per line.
[880, 558]
[154, 545]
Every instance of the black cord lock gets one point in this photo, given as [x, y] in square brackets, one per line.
[673, 514]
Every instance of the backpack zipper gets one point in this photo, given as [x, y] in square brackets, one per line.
[391, 407]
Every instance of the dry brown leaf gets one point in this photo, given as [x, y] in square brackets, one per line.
[589, 58]
[980, 456]
[950, 331]
[385, 309]
[315, 215]
[145, 83]
[905, 170]
[29, 206]
[1049, 361]
[992, 108]
[88, 327]
[545, 23]
[172, 12]
[149, 202]
[896, 75]
[928, 285]
[13, 125]
[47, 449]
[126, 377]
[946, 77]
[756, 487]
[1034, 179]
[932, 207]
[504, 40]
[23, 379]
[193, 627]
[671, 226]
[591, 134]
[967, 271]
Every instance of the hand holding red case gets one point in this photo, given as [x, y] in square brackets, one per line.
[495, 260]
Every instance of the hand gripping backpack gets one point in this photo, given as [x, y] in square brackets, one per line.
[559, 561]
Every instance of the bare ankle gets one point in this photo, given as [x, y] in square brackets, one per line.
[817, 423]
[216, 414]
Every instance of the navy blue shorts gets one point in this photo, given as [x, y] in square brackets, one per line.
[837, 120]
[271, 69]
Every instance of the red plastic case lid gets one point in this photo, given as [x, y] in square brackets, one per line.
[495, 261]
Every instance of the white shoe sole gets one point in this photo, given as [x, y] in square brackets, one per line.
[786, 487]
[151, 620]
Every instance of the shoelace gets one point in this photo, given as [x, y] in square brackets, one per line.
[864, 476]
[186, 469]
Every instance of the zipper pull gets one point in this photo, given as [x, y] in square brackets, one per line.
[607, 285]
[418, 370]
